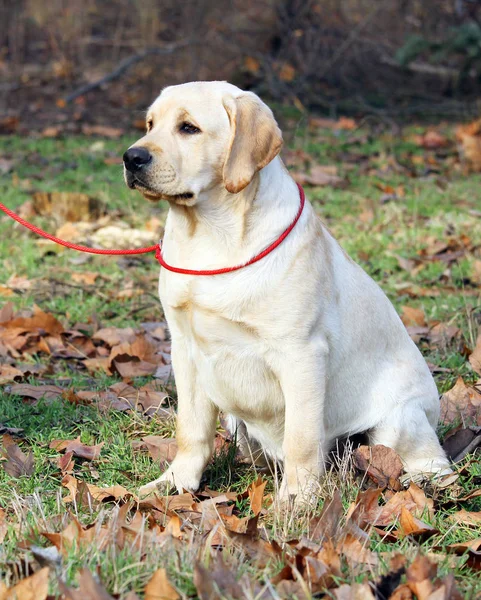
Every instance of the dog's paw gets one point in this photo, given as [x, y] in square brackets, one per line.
[295, 495]
[171, 480]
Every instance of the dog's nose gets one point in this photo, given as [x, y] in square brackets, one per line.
[136, 157]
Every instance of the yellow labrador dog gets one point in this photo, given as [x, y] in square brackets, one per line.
[301, 347]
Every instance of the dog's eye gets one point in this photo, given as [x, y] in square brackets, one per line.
[150, 124]
[188, 128]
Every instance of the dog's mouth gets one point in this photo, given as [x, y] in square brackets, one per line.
[153, 195]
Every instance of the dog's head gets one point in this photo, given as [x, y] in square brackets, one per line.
[201, 135]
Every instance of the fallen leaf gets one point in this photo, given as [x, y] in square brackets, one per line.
[461, 402]
[18, 464]
[103, 131]
[356, 591]
[162, 450]
[113, 336]
[431, 140]
[159, 587]
[77, 448]
[469, 144]
[9, 373]
[40, 322]
[326, 525]
[475, 356]
[34, 587]
[411, 316]
[115, 492]
[89, 588]
[465, 517]
[320, 175]
[461, 442]
[381, 464]
[414, 527]
[367, 511]
[86, 277]
[461, 547]
[256, 495]
[216, 583]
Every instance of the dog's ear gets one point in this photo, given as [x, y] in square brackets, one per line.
[255, 140]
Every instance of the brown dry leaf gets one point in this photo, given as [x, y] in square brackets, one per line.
[73, 533]
[161, 449]
[402, 592]
[34, 587]
[19, 284]
[169, 503]
[117, 492]
[216, 583]
[462, 547]
[256, 495]
[381, 464]
[461, 401]
[461, 442]
[326, 525]
[421, 575]
[346, 124]
[469, 144]
[411, 316]
[39, 322]
[3, 526]
[410, 525]
[18, 463]
[286, 72]
[431, 140]
[113, 336]
[367, 511]
[160, 588]
[476, 272]
[320, 175]
[251, 64]
[135, 359]
[357, 550]
[465, 517]
[422, 580]
[103, 131]
[9, 373]
[77, 448]
[89, 589]
[356, 591]
[475, 356]
[9, 124]
[86, 277]
[66, 463]
[233, 523]
[93, 365]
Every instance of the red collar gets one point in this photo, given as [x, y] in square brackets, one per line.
[256, 258]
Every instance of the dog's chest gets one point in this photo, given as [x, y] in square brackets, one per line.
[229, 355]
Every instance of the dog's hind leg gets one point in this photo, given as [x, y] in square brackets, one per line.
[409, 432]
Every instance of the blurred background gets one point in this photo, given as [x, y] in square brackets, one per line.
[77, 62]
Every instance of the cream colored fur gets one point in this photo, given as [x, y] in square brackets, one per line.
[300, 348]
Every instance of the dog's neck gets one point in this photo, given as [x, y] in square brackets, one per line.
[236, 225]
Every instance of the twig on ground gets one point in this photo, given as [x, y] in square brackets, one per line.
[123, 66]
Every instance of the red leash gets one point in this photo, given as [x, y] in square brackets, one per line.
[57, 240]
[158, 247]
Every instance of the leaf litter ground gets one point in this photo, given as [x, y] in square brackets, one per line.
[87, 404]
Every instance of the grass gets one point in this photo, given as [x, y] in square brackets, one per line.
[434, 201]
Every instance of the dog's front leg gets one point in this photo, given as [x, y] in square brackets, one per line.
[196, 425]
[303, 382]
